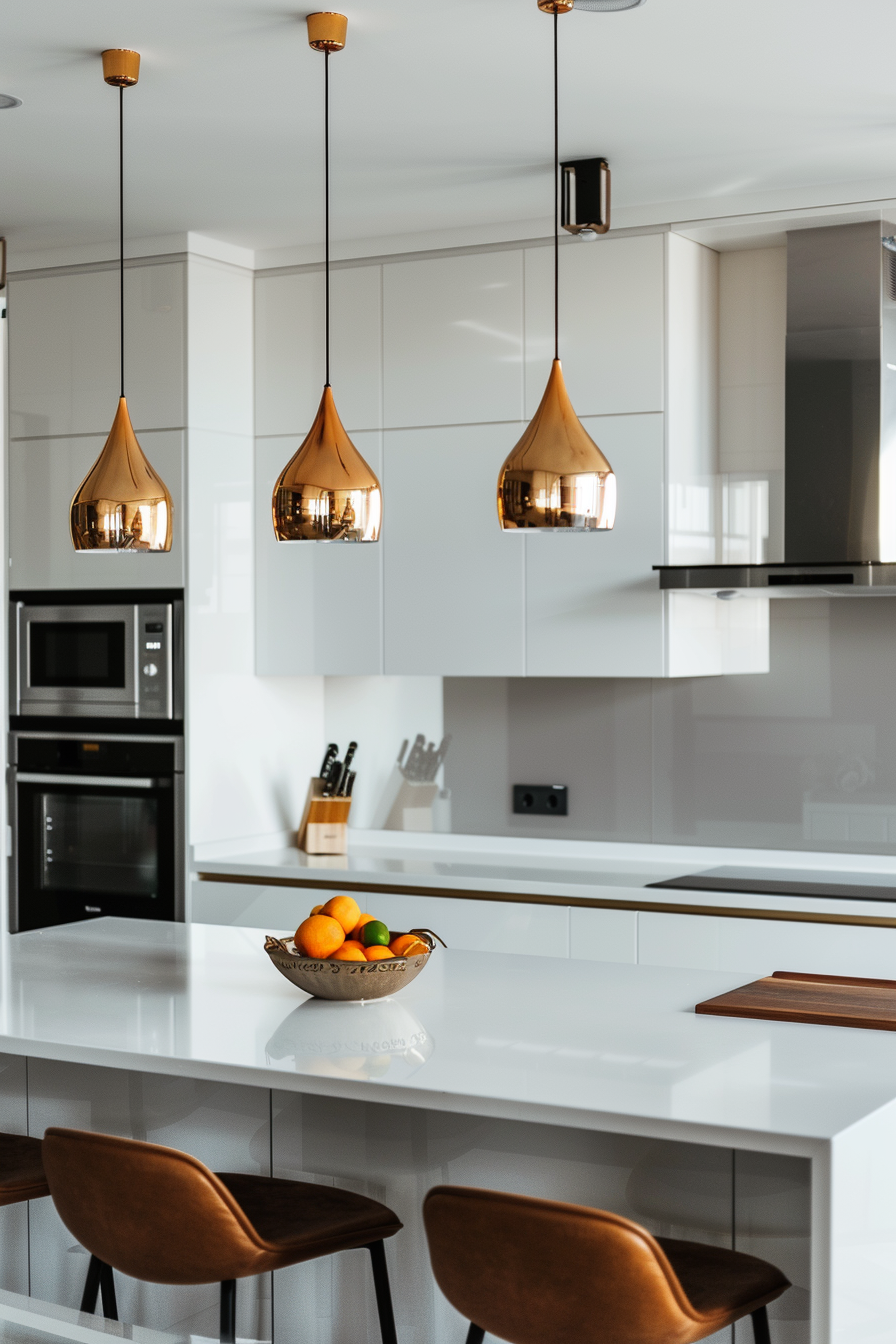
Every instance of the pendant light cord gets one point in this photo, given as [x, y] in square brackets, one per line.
[556, 191]
[121, 227]
[327, 201]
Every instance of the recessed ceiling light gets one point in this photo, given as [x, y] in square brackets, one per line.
[607, 6]
[7, 100]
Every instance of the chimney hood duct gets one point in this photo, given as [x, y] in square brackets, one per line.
[840, 432]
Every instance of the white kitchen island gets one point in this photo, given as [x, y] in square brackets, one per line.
[584, 1081]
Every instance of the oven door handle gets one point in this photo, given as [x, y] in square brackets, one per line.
[107, 781]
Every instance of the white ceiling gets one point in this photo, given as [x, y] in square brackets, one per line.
[441, 114]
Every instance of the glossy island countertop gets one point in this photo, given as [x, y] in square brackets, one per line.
[575, 872]
[584, 1044]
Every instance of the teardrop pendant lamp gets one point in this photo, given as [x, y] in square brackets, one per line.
[327, 492]
[122, 504]
[556, 478]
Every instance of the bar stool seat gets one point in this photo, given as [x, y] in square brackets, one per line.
[299, 1221]
[159, 1215]
[21, 1169]
[531, 1271]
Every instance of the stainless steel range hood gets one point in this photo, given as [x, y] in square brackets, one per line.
[840, 433]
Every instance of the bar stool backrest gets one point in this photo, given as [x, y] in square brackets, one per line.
[529, 1270]
[154, 1213]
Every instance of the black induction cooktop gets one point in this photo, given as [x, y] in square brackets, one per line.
[789, 882]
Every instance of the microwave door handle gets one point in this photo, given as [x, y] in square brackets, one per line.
[107, 781]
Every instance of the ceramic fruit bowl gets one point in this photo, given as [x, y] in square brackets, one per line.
[348, 980]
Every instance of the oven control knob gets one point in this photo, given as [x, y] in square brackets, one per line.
[150, 670]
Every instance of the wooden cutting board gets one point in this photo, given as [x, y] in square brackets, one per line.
[828, 1000]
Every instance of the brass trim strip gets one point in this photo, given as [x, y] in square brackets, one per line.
[585, 902]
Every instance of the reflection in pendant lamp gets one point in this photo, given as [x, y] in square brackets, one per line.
[122, 504]
[327, 492]
[556, 478]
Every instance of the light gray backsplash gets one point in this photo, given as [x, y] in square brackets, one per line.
[804, 757]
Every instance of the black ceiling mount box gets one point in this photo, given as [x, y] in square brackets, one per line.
[585, 196]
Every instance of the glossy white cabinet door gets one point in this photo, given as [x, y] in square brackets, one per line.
[475, 926]
[63, 351]
[453, 580]
[289, 349]
[593, 605]
[603, 935]
[453, 340]
[318, 605]
[43, 477]
[757, 947]
[612, 316]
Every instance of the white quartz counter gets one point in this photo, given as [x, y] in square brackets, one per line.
[591, 1045]
[552, 871]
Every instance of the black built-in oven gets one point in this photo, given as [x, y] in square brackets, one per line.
[97, 828]
[96, 759]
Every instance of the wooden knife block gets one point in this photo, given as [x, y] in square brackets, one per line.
[324, 828]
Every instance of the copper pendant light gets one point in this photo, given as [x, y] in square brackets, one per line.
[556, 478]
[327, 492]
[122, 504]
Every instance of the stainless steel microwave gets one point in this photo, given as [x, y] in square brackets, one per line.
[103, 659]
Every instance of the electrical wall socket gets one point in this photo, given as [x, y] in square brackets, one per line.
[541, 800]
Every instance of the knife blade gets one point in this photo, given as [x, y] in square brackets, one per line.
[343, 776]
[412, 765]
[332, 780]
[329, 757]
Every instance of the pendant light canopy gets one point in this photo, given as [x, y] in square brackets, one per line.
[557, 478]
[327, 492]
[122, 504]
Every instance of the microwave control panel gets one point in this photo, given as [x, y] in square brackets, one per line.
[154, 656]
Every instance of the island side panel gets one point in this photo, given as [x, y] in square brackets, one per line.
[396, 1154]
[862, 1215]
[227, 1126]
[14, 1218]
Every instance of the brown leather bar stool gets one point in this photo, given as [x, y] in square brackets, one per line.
[21, 1170]
[22, 1177]
[158, 1214]
[534, 1272]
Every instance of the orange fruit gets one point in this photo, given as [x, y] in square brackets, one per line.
[363, 919]
[353, 942]
[379, 953]
[318, 936]
[343, 909]
[408, 945]
[317, 909]
[348, 952]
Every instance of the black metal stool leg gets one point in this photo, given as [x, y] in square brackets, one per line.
[476, 1334]
[383, 1294]
[91, 1285]
[760, 1327]
[228, 1311]
[107, 1289]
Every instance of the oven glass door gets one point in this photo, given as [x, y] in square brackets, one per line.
[94, 849]
[77, 660]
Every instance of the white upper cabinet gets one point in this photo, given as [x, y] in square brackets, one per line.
[319, 607]
[63, 351]
[453, 581]
[592, 601]
[289, 349]
[450, 356]
[41, 473]
[612, 320]
[453, 340]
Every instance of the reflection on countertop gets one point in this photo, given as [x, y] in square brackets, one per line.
[352, 1040]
